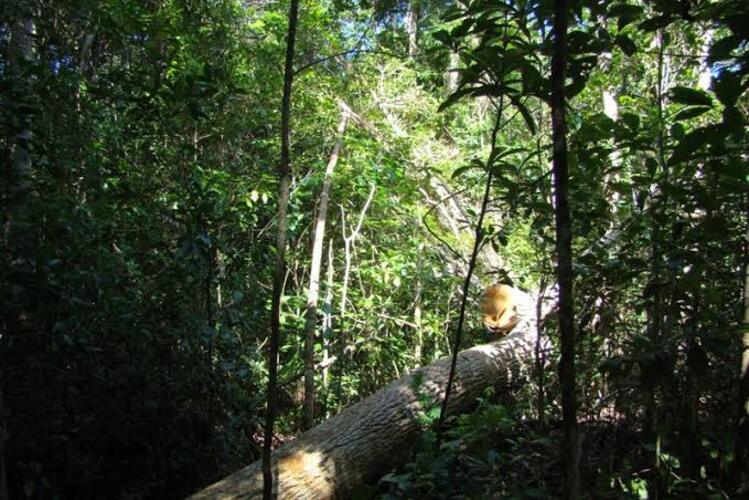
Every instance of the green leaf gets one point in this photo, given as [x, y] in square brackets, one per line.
[626, 44]
[728, 88]
[525, 113]
[686, 95]
[620, 9]
[695, 140]
[455, 97]
[475, 164]
[625, 13]
[691, 112]
[501, 153]
[733, 121]
[655, 23]
[677, 131]
[631, 120]
[462, 29]
[723, 48]
[443, 37]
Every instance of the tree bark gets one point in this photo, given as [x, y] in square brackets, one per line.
[364, 440]
[452, 73]
[564, 253]
[17, 237]
[3, 438]
[22, 56]
[327, 320]
[742, 449]
[284, 174]
[313, 292]
[417, 306]
[412, 27]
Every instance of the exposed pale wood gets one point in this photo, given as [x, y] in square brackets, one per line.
[367, 438]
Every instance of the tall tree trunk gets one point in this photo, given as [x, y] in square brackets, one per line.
[412, 27]
[17, 238]
[284, 177]
[3, 439]
[451, 73]
[313, 291]
[655, 309]
[742, 449]
[22, 56]
[564, 253]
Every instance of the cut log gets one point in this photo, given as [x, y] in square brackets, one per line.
[367, 438]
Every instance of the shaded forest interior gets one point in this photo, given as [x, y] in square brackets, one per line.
[183, 179]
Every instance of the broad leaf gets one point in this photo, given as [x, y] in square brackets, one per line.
[685, 95]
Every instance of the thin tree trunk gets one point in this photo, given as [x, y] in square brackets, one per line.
[478, 239]
[564, 253]
[284, 175]
[417, 308]
[3, 439]
[327, 321]
[540, 356]
[308, 419]
[655, 309]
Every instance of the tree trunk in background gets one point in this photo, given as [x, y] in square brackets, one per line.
[284, 174]
[327, 320]
[369, 437]
[655, 308]
[313, 292]
[742, 449]
[417, 307]
[451, 73]
[17, 239]
[21, 51]
[3, 438]
[412, 27]
[564, 253]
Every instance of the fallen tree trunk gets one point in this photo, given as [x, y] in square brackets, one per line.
[365, 439]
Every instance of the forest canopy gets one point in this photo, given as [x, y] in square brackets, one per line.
[227, 217]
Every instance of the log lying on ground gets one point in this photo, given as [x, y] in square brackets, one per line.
[365, 439]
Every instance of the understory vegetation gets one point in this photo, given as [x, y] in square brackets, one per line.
[140, 148]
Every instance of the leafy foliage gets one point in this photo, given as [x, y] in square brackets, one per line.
[136, 253]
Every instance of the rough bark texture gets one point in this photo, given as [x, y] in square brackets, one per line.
[564, 253]
[742, 449]
[412, 27]
[367, 438]
[452, 73]
[284, 176]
